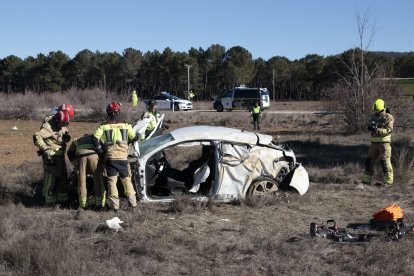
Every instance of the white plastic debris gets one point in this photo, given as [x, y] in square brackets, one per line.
[225, 219]
[360, 186]
[14, 128]
[114, 223]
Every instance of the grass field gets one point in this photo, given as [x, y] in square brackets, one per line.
[265, 236]
[407, 85]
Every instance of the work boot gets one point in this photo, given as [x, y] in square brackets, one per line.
[98, 208]
[386, 186]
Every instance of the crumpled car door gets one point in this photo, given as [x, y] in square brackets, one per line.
[232, 172]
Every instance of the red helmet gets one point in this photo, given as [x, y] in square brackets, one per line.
[68, 108]
[113, 107]
[62, 117]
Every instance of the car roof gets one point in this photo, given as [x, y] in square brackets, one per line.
[219, 133]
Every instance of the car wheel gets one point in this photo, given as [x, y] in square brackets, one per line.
[263, 187]
[176, 107]
[220, 108]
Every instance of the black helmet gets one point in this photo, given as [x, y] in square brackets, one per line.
[151, 103]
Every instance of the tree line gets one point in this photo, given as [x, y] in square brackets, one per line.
[212, 72]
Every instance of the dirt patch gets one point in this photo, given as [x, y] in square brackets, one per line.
[16, 139]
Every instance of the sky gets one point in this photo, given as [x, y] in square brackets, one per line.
[266, 28]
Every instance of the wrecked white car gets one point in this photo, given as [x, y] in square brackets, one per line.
[214, 162]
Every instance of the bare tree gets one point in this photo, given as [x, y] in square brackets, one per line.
[355, 92]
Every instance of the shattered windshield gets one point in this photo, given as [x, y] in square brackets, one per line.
[153, 143]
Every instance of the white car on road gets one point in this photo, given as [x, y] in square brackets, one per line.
[168, 101]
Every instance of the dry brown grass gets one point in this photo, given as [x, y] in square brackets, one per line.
[265, 236]
[90, 103]
[231, 239]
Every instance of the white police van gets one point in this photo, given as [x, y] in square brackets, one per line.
[242, 98]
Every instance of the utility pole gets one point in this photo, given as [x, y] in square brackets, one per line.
[273, 81]
[188, 78]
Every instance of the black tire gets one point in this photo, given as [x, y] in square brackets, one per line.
[176, 107]
[220, 108]
[263, 186]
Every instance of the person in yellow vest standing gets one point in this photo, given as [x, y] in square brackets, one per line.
[256, 112]
[381, 126]
[134, 99]
[190, 95]
[81, 153]
[51, 140]
[115, 136]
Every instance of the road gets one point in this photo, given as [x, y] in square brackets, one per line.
[270, 111]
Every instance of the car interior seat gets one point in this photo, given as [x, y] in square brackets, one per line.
[197, 171]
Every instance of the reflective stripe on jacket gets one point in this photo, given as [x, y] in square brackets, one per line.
[82, 146]
[115, 136]
[385, 125]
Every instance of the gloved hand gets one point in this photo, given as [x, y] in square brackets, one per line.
[372, 126]
[99, 150]
[46, 155]
[66, 137]
[381, 131]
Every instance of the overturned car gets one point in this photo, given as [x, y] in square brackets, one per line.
[213, 162]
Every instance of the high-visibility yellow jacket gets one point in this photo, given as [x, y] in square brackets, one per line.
[385, 125]
[50, 138]
[256, 109]
[134, 99]
[154, 118]
[80, 147]
[115, 137]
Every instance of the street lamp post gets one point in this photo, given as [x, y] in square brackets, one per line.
[188, 78]
[273, 81]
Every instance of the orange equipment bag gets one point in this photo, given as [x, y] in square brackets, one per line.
[390, 213]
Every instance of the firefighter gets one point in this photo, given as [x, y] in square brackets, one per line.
[134, 98]
[51, 140]
[115, 136]
[256, 113]
[381, 127]
[86, 160]
[154, 116]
